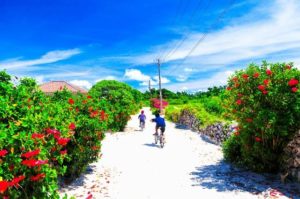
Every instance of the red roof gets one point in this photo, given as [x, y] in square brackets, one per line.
[53, 86]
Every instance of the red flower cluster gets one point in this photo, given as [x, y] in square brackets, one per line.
[258, 139]
[245, 76]
[31, 153]
[33, 163]
[288, 67]
[294, 89]
[102, 115]
[72, 126]
[54, 132]
[256, 75]
[3, 153]
[262, 89]
[71, 101]
[266, 82]
[156, 103]
[228, 88]
[3, 186]
[269, 72]
[64, 152]
[37, 177]
[63, 141]
[89, 97]
[16, 181]
[37, 136]
[249, 120]
[239, 102]
[293, 82]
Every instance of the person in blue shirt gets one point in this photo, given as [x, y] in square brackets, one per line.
[160, 123]
[142, 118]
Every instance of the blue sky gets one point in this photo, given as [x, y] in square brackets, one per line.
[85, 41]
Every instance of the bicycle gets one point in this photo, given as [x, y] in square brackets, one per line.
[161, 138]
[142, 125]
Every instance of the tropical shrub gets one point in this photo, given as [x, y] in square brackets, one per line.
[265, 102]
[124, 101]
[44, 138]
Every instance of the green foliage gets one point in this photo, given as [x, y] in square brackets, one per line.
[120, 95]
[43, 138]
[206, 118]
[265, 101]
[232, 149]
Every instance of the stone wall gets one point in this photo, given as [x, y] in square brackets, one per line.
[292, 154]
[217, 133]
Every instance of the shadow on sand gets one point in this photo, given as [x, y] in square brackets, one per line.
[225, 177]
[152, 145]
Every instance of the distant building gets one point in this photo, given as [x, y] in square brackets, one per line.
[53, 86]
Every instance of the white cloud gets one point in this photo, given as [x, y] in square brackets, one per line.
[164, 80]
[50, 57]
[263, 31]
[188, 69]
[82, 83]
[218, 79]
[134, 74]
[181, 78]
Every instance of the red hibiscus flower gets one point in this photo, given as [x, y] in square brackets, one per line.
[228, 88]
[89, 97]
[266, 82]
[3, 186]
[16, 181]
[33, 163]
[249, 120]
[37, 136]
[102, 115]
[72, 126]
[293, 82]
[258, 139]
[245, 76]
[54, 132]
[288, 67]
[77, 110]
[256, 75]
[269, 72]
[3, 153]
[37, 177]
[63, 141]
[235, 79]
[31, 153]
[265, 92]
[64, 152]
[261, 87]
[239, 102]
[294, 89]
[71, 101]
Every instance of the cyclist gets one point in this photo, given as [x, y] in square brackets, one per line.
[142, 118]
[160, 123]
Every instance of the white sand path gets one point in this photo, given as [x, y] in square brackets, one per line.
[132, 167]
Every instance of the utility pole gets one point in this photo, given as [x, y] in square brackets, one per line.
[159, 78]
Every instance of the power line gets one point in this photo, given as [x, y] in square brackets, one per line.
[180, 42]
[205, 35]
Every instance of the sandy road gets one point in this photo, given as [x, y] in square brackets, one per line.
[132, 167]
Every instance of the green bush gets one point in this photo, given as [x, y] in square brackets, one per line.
[232, 149]
[265, 102]
[123, 99]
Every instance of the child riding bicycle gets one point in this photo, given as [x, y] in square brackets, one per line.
[160, 124]
[142, 118]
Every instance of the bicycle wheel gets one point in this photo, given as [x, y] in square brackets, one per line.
[162, 141]
[155, 139]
